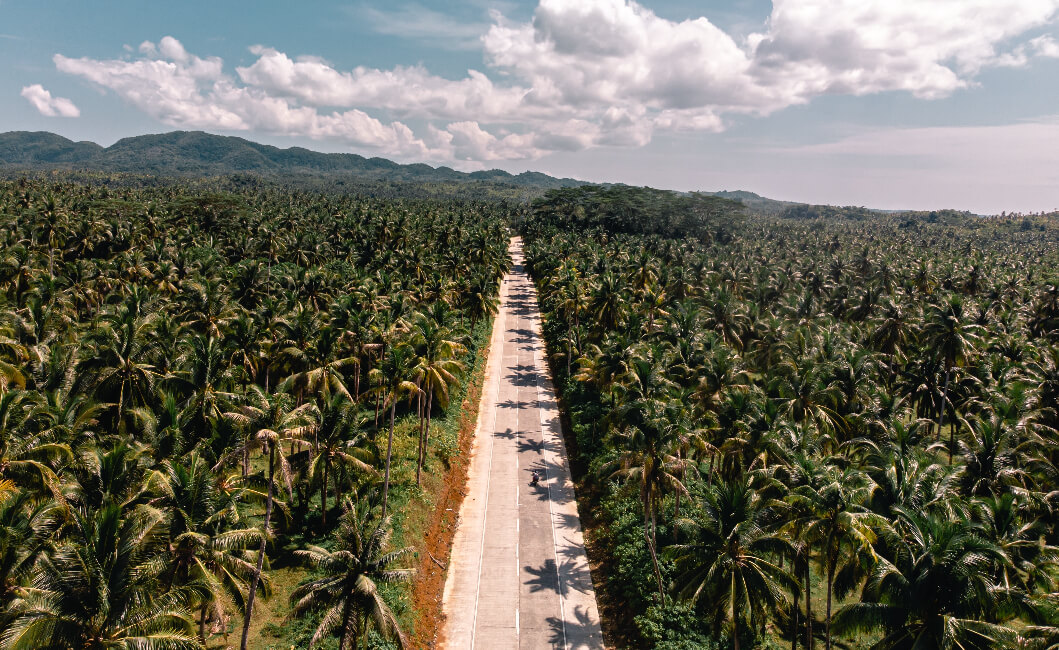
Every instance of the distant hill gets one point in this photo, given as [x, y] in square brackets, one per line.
[756, 202]
[194, 153]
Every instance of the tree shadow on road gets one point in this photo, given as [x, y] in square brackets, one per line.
[544, 577]
[580, 632]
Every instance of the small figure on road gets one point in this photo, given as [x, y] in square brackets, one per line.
[536, 477]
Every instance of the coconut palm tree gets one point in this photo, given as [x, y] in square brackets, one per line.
[348, 590]
[97, 589]
[393, 377]
[952, 338]
[270, 421]
[833, 518]
[27, 457]
[728, 567]
[437, 369]
[337, 445]
[648, 443]
[934, 591]
[118, 367]
[205, 547]
[26, 527]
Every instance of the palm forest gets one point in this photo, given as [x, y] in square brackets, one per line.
[213, 400]
[231, 413]
[827, 428]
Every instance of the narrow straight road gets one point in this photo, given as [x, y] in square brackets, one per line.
[519, 576]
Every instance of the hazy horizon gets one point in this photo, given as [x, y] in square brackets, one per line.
[889, 105]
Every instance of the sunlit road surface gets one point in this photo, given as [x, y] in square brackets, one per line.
[519, 576]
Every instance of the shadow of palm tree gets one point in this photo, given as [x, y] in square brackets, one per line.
[506, 434]
[530, 446]
[579, 631]
[544, 577]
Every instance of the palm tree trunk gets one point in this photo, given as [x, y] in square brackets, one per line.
[345, 627]
[389, 451]
[941, 414]
[426, 435]
[261, 550]
[654, 555]
[419, 446]
[202, 624]
[808, 604]
[827, 626]
[940, 411]
[794, 617]
[569, 352]
[323, 499]
[735, 618]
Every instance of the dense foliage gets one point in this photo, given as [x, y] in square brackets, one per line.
[820, 430]
[193, 382]
[633, 210]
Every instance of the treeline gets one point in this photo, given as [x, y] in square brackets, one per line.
[467, 192]
[621, 209]
[824, 432]
[196, 385]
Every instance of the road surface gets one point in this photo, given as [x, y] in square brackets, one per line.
[519, 576]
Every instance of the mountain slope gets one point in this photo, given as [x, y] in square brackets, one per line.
[21, 148]
[195, 153]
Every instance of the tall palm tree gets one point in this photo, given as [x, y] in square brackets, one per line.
[119, 366]
[952, 337]
[436, 370]
[348, 590]
[833, 518]
[337, 445]
[207, 378]
[97, 589]
[934, 591]
[204, 547]
[26, 456]
[393, 378]
[647, 457]
[728, 566]
[26, 527]
[271, 421]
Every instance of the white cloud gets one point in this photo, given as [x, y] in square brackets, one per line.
[184, 90]
[1045, 46]
[859, 47]
[588, 73]
[47, 105]
[416, 22]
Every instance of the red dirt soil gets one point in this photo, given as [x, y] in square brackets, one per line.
[437, 545]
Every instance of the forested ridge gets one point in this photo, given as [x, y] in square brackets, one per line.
[197, 154]
[201, 391]
[833, 429]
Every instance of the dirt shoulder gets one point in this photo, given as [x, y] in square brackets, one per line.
[436, 546]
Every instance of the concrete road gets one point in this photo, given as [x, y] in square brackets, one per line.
[519, 576]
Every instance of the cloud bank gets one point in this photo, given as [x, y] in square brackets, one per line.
[47, 105]
[588, 73]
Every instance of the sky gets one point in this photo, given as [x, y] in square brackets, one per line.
[890, 104]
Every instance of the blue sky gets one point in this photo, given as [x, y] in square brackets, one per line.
[884, 103]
